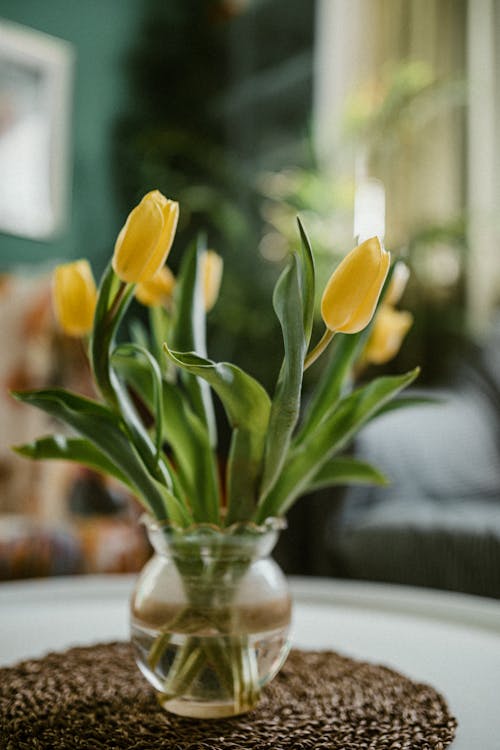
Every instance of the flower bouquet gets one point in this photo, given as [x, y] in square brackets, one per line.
[211, 611]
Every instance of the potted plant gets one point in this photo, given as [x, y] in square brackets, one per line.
[210, 613]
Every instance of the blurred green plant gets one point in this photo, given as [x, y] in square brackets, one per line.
[382, 117]
[385, 112]
[182, 131]
[175, 135]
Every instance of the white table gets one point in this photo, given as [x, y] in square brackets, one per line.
[451, 641]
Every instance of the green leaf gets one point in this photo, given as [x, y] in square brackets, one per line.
[102, 426]
[245, 400]
[346, 470]
[187, 436]
[113, 299]
[148, 451]
[248, 408]
[139, 333]
[188, 331]
[79, 450]
[190, 442]
[344, 351]
[293, 302]
[307, 281]
[134, 350]
[330, 436]
[159, 322]
[287, 301]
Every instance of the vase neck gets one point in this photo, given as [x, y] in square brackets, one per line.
[244, 542]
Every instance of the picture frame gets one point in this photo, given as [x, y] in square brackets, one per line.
[36, 72]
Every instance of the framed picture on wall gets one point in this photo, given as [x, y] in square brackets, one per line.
[35, 112]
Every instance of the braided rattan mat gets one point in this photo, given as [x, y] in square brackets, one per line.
[95, 698]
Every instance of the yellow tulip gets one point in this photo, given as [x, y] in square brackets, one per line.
[352, 293]
[75, 297]
[145, 240]
[158, 290]
[389, 329]
[212, 267]
[399, 280]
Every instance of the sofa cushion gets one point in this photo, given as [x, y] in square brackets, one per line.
[438, 524]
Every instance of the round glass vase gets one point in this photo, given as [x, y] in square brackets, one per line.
[210, 617]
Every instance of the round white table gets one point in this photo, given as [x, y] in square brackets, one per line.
[451, 641]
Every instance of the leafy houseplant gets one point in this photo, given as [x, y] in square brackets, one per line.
[211, 611]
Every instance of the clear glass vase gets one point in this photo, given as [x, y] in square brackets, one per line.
[210, 617]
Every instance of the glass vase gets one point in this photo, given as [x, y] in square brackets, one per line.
[210, 617]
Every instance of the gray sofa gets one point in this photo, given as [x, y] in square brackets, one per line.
[438, 523]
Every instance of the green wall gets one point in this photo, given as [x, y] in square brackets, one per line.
[101, 32]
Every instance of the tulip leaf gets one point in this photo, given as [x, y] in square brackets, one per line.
[307, 281]
[139, 333]
[113, 299]
[134, 350]
[114, 296]
[79, 450]
[343, 354]
[293, 302]
[248, 407]
[344, 351]
[159, 323]
[346, 470]
[330, 436]
[287, 301]
[186, 435]
[148, 451]
[188, 331]
[107, 430]
[190, 442]
[245, 400]
[160, 468]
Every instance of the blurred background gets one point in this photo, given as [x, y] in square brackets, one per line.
[249, 112]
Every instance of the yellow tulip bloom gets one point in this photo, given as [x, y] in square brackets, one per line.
[75, 297]
[399, 280]
[158, 290]
[145, 240]
[389, 329]
[352, 293]
[212, 267]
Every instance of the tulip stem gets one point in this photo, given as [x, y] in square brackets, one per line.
[116, 302]
[319, 348]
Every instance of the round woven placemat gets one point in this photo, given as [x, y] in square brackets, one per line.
[96, 698]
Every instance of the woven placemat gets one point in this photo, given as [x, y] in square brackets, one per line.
[96, 698]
